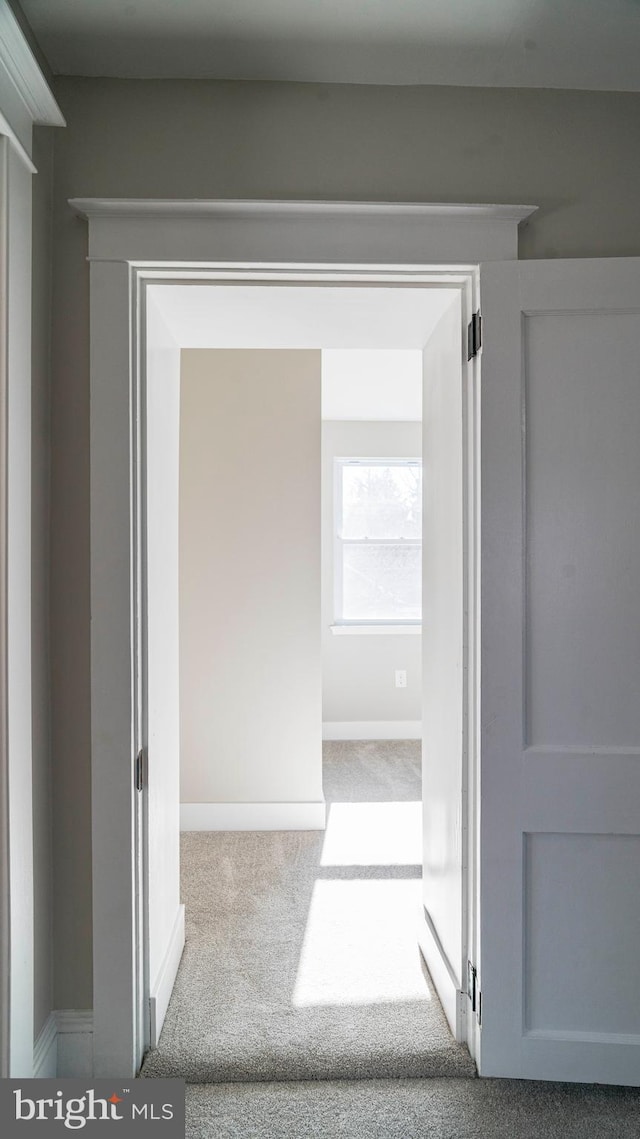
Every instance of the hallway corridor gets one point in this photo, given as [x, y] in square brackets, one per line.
[301, 961]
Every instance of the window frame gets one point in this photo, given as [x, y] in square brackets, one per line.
[342, 623]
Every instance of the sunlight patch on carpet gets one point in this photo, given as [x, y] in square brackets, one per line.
[360, 944]
[373, 834]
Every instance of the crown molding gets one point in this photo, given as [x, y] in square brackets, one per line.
[24, 72]
[244, 208]
[156, 231]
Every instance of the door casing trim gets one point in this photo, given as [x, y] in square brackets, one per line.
[118, 287]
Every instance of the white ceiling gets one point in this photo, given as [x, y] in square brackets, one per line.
[589, 44]
[371, 338]
[287, 316]
[372, 384]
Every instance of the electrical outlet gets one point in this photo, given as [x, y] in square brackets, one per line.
[401, 678]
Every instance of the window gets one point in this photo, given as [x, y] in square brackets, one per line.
[378, 512]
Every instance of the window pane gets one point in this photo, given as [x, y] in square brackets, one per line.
[381, 583]
[381, 502]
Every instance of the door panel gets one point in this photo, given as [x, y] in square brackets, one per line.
[443, 659]
[560, 741]
[581, 383]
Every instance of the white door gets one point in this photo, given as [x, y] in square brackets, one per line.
[164, 917]
[443, 654]
[560, 664]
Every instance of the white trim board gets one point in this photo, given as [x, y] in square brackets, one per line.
[45, 1050]
[253, 816]
[163, 986]
[452, 999]
[24, 71]
[158, 232]
[344, 245]
[376, 630]
[7, 129]
[372, 730]
[266, 209]
[117, 304]
[25, 98]
[64, 1046]
[17, 917]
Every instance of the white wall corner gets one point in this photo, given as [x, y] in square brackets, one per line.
[45, 1050]
[253, 816]
[163, 985]
[372, 730]
[75, 1042]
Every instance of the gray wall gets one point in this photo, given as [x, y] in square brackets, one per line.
[574, 154]
[40, 462]
[358, 680]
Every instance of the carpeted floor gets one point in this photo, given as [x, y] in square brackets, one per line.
[301, 960]
[413, 1109]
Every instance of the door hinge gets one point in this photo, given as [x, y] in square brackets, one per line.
[474, 336]
[473, 991]
[140, 770]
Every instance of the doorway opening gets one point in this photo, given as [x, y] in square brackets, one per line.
[534, 837]
[248, 725]
[372, 695]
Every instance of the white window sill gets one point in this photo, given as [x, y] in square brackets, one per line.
[369, 630]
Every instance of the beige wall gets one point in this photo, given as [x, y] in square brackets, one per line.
[250, 678]
[358, 681]
[575, 154]
[40, 463]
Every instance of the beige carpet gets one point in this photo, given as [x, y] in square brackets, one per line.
[301, 960]
[413, 1109]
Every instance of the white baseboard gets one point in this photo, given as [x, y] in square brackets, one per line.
[372, 730]
[75, 1042]
[45, 1050]
[163, 986]
[253, 816]
[451, 997]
